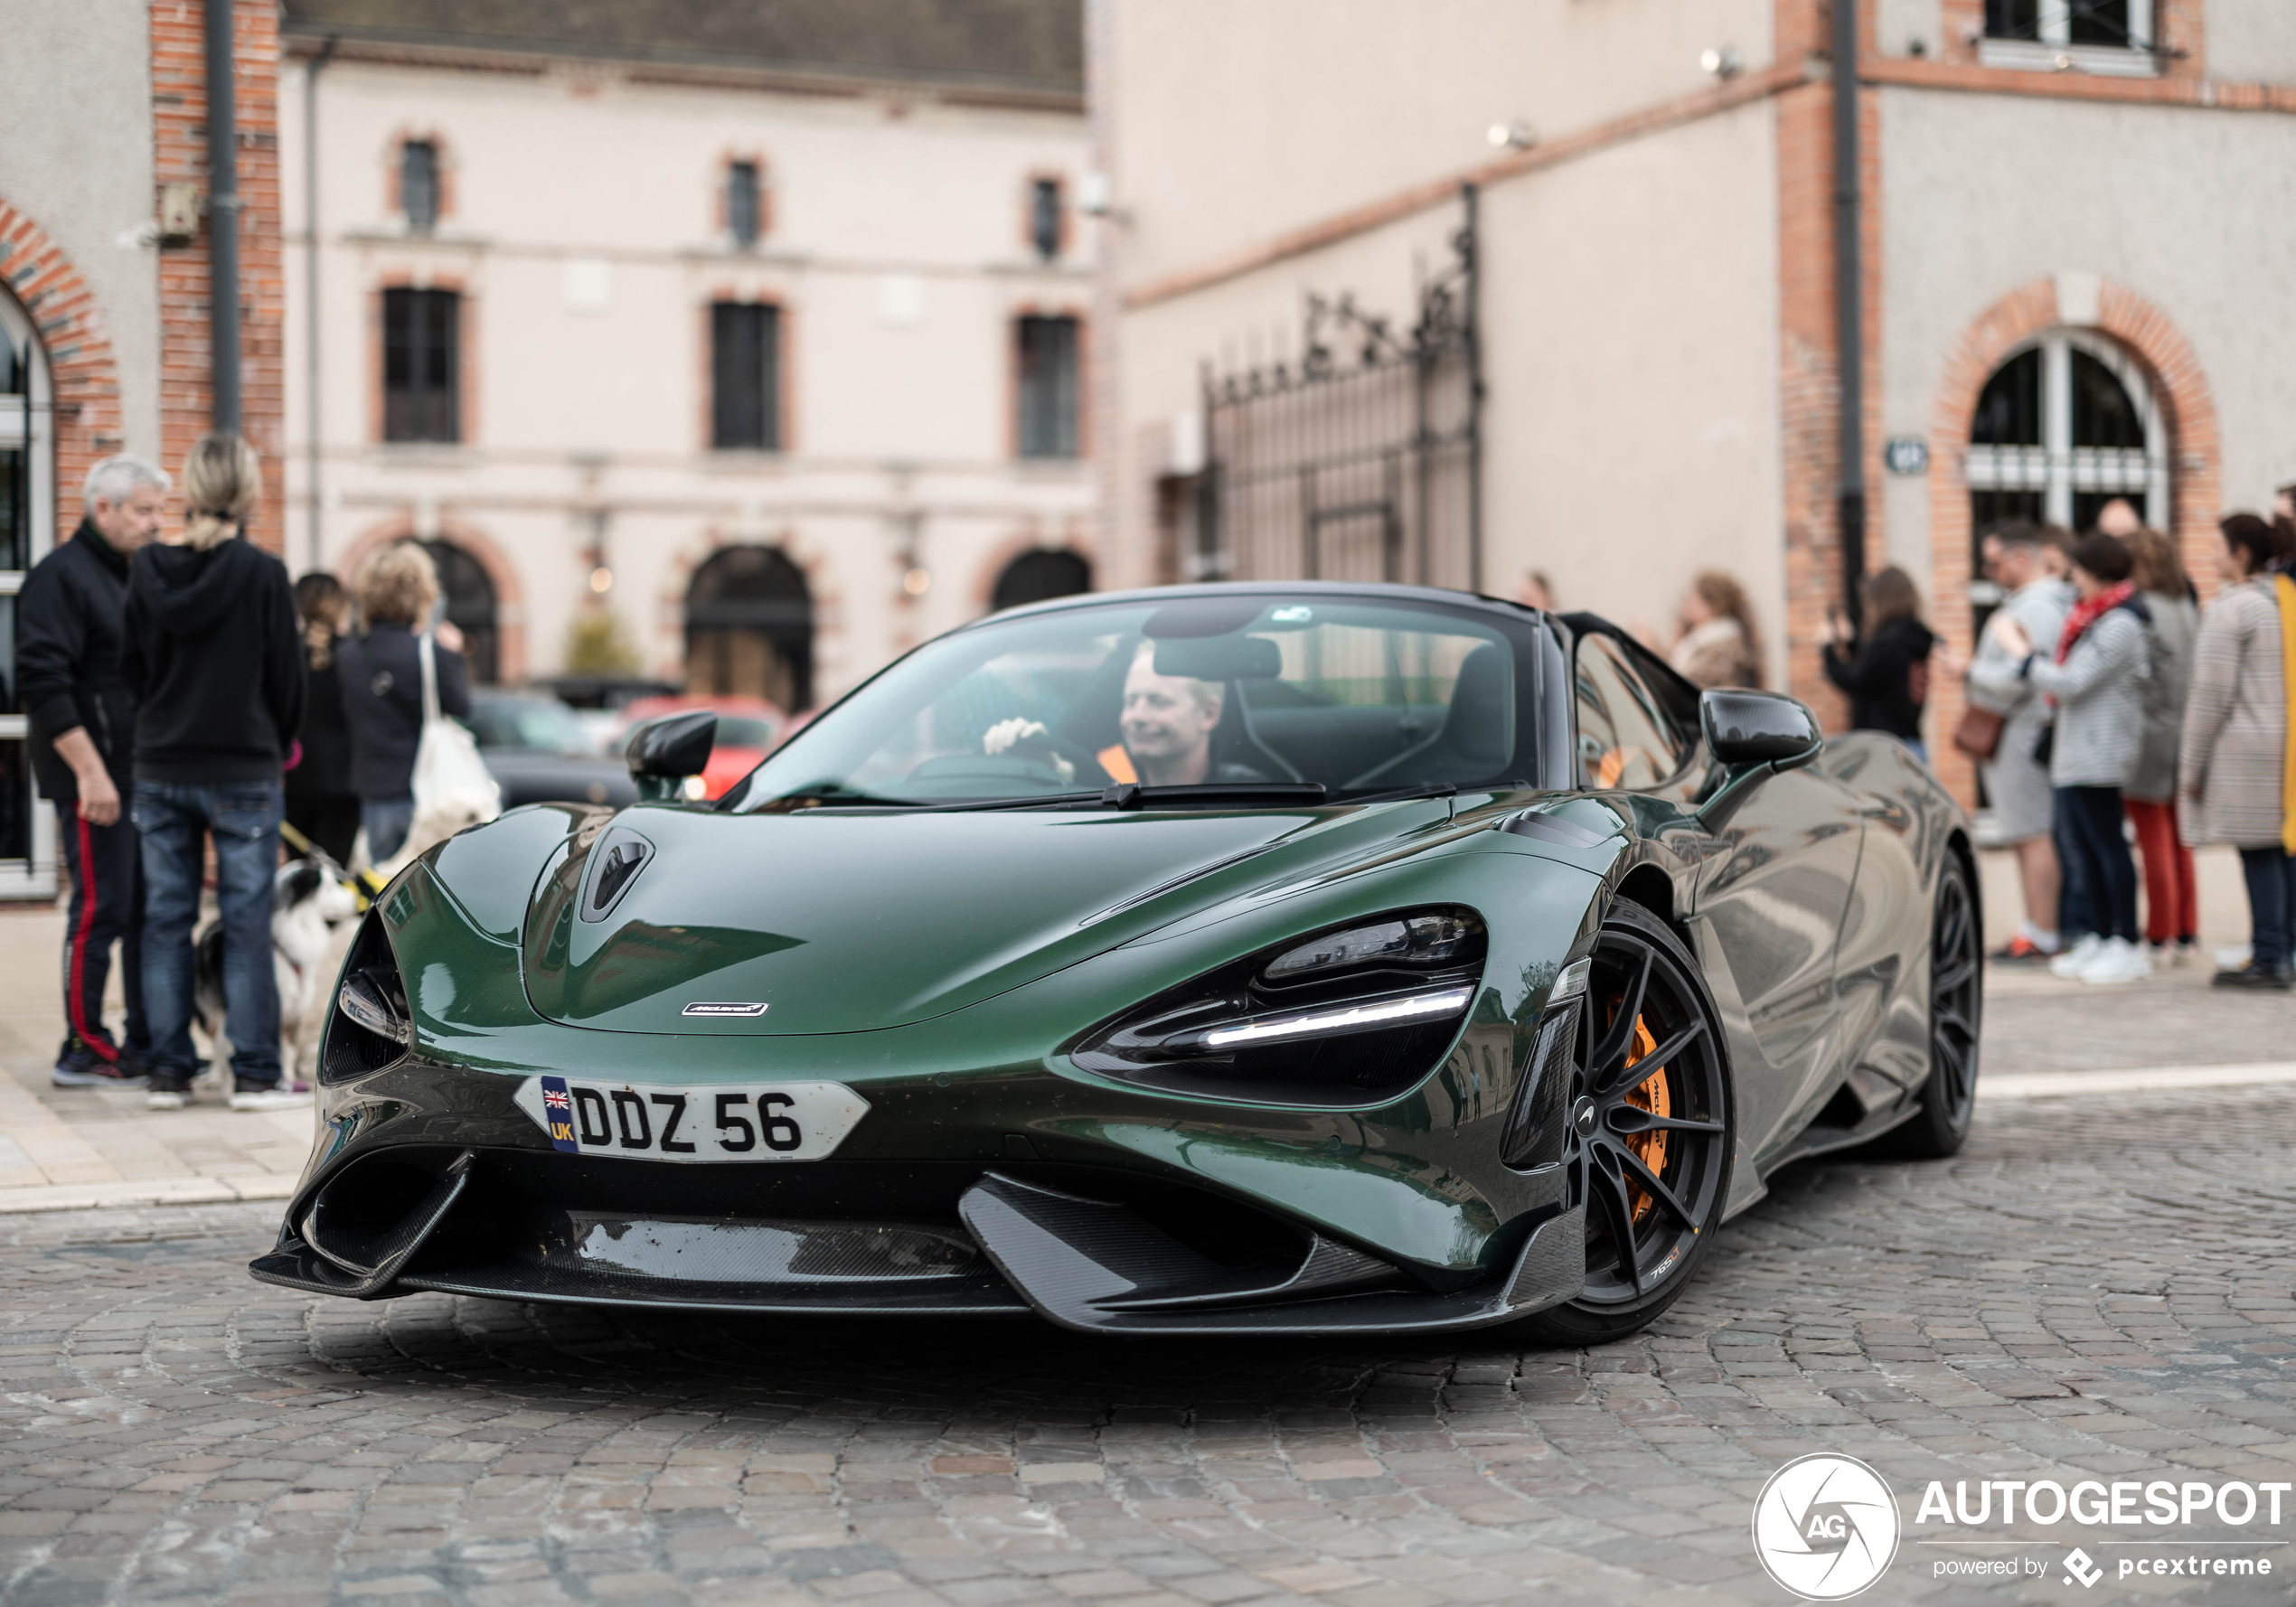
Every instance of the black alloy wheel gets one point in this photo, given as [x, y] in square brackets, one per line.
[1649, 1131]
[1956, 1001]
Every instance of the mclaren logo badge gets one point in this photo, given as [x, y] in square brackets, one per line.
[699, 1009]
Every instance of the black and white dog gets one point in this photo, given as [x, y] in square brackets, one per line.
[308, 901]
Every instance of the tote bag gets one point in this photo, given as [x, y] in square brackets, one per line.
[452, 786]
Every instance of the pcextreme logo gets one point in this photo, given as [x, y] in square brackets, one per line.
[1825, 1527]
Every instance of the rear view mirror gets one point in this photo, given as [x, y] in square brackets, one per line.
[663, 752]
[1743, 729]
[1220, 658]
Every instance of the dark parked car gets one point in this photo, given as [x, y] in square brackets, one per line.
[1254, 958]
[540, 753]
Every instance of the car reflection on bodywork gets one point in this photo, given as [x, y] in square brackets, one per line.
[538, 752]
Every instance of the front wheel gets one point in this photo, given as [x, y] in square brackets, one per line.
[1956, 996]
[1650, 1131]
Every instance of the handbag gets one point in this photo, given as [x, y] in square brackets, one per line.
[1979, 732]
[453, 788]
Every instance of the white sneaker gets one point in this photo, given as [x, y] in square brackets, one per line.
[2117, 961]
[2073, 961]
[167, 1099]
[286, 1096]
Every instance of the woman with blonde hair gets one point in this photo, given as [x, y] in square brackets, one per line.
[398, 594]
[212, 648]
[1717, 645]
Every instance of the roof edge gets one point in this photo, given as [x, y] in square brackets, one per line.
[419, 48]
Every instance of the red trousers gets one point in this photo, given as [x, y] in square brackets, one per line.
[2171, 897]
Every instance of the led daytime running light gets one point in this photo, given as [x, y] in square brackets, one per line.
[1323, 1022]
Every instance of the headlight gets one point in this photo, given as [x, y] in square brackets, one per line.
[370, 1026]
[1342, 1017]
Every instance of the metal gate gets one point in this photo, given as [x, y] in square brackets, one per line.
[1363, 460]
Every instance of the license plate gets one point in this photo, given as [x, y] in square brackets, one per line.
[717, 1122]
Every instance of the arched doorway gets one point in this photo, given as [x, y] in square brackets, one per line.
[749, 629]
[2063, 425]
[469, 594]
[1040, 576]
[27, 529]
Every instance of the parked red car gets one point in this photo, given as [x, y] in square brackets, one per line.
[748, 729]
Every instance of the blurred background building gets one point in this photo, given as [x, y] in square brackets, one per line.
[1458, 291]
[740, 346]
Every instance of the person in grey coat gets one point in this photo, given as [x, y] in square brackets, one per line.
[2017, 783]
[2234, 760]
[2096, 679]
[2171, 890]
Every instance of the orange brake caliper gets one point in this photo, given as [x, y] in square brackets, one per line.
[1651, 1097]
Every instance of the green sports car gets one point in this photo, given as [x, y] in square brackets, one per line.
[1283, 958]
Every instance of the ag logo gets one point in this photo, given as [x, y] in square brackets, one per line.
[1825, 1527]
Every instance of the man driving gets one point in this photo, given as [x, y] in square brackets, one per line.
[1167, 727]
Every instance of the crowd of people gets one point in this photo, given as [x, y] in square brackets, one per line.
[2103, 703]
[183, 697]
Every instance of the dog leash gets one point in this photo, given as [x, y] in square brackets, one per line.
[364, 885]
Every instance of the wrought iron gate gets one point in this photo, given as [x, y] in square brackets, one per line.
[1363, 460]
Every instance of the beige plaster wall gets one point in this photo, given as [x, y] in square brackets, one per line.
[896, 245]
[1307, 108]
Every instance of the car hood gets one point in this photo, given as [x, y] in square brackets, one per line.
[840, 921]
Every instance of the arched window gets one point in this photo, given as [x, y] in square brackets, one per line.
[27, 527]
[2062, 429]
[1035, 577]
[749, 629]
[469, 594]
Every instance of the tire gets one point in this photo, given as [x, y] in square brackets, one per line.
[1956, 1003]
[1675, 1128]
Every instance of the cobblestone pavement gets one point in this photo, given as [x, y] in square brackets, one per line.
[2096, 1289]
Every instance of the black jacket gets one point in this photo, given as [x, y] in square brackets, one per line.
[326, 735]
[68, 661]
[1887, 678]
[382, 694]
[212, 649]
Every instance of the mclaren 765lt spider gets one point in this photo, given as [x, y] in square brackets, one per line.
[1283, 958]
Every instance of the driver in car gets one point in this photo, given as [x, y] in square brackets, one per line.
[1167, 728]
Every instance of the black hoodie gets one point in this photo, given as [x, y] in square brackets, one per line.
[1887, 679]
[211, 647]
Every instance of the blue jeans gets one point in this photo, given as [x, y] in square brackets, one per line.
[2092, 817]
[2272, 905]
[387, 820]
[243, 818]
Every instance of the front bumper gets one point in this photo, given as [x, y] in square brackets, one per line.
[1090, 1264]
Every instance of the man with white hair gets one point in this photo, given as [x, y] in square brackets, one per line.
[83, 752]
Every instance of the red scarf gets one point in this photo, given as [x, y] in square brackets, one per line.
[2088, 611]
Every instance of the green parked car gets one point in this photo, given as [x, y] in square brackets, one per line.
[1283, 958]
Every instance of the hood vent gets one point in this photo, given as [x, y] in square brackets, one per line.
[615, 864]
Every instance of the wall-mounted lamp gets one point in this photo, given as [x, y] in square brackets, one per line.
[1722, 61]
[1517, 136]
[601, 580]
[917, 580]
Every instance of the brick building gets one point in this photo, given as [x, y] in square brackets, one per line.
[105, 303]
[758, 329]
[2076, 226]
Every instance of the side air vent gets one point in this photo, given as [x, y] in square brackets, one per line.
[370, 1025]
[615, 865]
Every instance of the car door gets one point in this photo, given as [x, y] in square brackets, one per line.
[1778, 857]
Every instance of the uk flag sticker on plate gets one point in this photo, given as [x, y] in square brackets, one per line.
[558, 1115]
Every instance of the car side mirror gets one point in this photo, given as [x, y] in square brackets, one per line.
[1746, 729]
[663, 752]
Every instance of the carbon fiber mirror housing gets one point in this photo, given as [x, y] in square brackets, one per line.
[663, 752]
[1746, 727]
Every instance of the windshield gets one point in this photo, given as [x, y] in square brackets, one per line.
[1355, 695]
[528, 723]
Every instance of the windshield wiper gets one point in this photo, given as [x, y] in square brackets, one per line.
[1129, 794]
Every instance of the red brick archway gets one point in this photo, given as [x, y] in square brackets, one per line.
[510, 597]
[81, 369]
[2186, 411]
